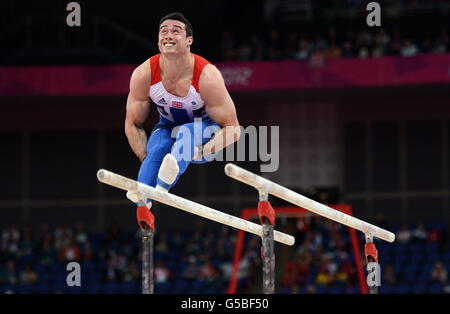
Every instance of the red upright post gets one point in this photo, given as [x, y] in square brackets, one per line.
[371, 257]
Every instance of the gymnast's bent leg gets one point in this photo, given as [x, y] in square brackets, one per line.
[188, 136]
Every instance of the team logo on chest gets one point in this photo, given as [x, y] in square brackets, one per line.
[177, 104]
[162, 101]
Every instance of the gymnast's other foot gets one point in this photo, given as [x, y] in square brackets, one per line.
[168, 172]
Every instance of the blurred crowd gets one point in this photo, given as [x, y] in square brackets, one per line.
[293, 45]
[418, 234]
[323, 260]
[202, 255]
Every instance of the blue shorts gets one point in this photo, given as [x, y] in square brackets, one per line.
[162, 142]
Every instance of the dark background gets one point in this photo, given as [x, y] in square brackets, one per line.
[126, 32]
[395, 139]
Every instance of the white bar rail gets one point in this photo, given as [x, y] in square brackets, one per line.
[127, 184]
[267, 186]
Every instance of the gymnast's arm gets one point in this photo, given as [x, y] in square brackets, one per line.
[220, 108]
[138, 109]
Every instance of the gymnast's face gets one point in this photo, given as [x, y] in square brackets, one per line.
[172, 38]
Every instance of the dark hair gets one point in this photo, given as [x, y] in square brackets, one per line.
[179, 17]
